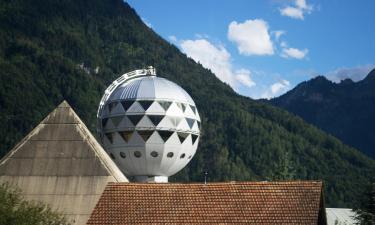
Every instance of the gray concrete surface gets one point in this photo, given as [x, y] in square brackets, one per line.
[61, 163]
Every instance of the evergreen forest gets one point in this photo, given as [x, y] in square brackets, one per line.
[54, 50]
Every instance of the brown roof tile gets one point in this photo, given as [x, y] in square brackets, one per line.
[221, 203]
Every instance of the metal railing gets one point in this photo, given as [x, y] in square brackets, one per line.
[150, 71]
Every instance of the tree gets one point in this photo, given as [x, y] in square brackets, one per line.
[366, 211]
[17, 211]
[285, 169]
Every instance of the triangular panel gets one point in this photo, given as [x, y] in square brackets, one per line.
[175, 120]
[126, 135]
[189, 112]
[145, 122]
[193, 108]
[116, 120]
[145, 104]
[126, 123]
[155, 119]
[166, 122]
[117, 138]
[145, 134]
[111, 106]
[197, 115]
[183, 125]
[105, 110]
[194, 137]
[190, 122]
[136, 140]
[155, 108]
[104, 122]
[126, 104]
[109, 125]
[174, 110]
[135, 119]
[174, 141]
[165, 134]
[195, 127]
[182, 106]
[135, 108]
[109, 137]
[182, 136]
[165, 104]
[154, 139]
[117, 109]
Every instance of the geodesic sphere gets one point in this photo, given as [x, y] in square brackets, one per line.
[150, 126]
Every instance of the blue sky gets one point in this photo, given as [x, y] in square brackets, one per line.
[264, 48]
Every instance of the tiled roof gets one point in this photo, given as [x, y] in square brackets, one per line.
[224, 203]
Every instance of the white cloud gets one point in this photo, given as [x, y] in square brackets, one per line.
[276, 89]
[302, 4]
[202, 36]
[294, 53]
[354, 73]
[283, 44]
[252, 37]
[244, 77]
[279, 86]
[298, 10]
[295, 13]
[218, 60]
[278, 34]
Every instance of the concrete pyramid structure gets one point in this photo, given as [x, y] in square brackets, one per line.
[61, 163]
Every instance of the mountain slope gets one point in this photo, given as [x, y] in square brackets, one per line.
[345, 110]
[54, 50]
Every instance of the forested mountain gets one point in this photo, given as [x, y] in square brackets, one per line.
[345, 110]
[53, 50]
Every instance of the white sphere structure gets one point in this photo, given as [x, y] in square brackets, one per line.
[149, 125]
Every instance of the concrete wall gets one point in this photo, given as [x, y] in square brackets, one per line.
[60, 163]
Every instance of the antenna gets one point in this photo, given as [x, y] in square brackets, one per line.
[205, 177]
[151, 70]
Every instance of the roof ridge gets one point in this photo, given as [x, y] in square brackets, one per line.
[100, 152]
[64, 104]
[110, 166]
[20, 144]
[314, 182]
[28, 136]
[83, 132]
